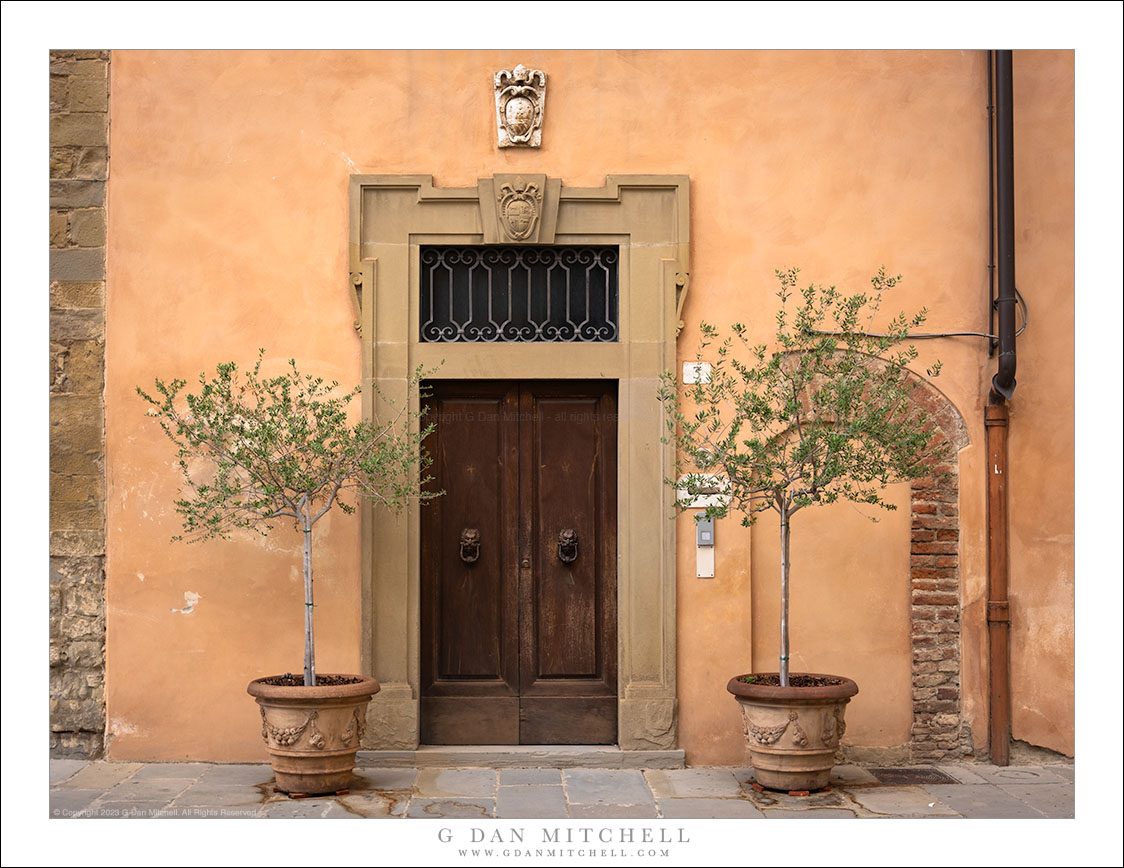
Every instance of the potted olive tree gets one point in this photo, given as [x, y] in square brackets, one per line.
[823, 414]
[255, 451]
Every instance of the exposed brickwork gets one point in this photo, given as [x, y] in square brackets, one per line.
[938, 731]
[79, 167]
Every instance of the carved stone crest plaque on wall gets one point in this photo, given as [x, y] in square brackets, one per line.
[520, 98]
[520, 204]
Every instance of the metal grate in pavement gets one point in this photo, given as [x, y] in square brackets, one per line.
[926, 775]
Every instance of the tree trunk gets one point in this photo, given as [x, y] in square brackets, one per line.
[784, 598]
[309, 653]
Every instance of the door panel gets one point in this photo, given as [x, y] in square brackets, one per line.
[530, 624]
[469, 613]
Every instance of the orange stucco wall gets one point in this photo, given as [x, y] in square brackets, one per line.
[228, 230]
[1042, 412]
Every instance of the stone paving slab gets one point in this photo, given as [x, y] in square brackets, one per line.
[607, 787]
[134, 790]
[963, 774]
[702, 809]
[384, 779]
[456, 782]
[305, 809]
[337, 811]
[1052, 800]
[811, 814]
[423, 808]
[126, 809]
[238, 775]
[203, 794]
[613, 812]
[531, 801]
[101, 776]
[982, 802]
[177, 771]
[376, 805]
[514, 777]
[1004, 775]
[766, 799]
[744, 777]
[686, 783]
[902, 802]
[61, 769]
[1064, 772]
[851, 775]
[524, 756]
[67, 804]
[151, 790]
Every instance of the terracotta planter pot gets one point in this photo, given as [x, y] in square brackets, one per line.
[312, 733]
[792, 732]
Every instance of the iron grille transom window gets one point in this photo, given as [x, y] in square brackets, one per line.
[517, 294]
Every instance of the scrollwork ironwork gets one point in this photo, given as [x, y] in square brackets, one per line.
[519, 294]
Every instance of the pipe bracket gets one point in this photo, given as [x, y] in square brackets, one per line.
[998, 612]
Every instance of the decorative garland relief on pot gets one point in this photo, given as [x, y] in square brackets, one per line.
[766, 734]
[289, 735]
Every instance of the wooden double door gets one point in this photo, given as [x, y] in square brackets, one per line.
[519, 564]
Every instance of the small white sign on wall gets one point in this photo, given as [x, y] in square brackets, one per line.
[714, 490]
[696, 372]
[704, 562]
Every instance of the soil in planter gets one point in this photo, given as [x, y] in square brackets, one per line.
[793, 680]
[290, 680]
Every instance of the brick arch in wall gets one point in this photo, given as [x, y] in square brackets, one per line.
[938, 730]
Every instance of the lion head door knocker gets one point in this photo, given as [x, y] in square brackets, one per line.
[470, 545]
[568, 545]
[520, 98]
[520, 206]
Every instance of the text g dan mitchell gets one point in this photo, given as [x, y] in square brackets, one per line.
[561, 835]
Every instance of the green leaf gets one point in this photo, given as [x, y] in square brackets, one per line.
[253, 449]
[823, 414]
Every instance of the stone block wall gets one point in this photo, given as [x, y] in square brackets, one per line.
[79, 167]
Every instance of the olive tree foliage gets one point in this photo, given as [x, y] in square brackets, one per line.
[256, 450]
[823, 413]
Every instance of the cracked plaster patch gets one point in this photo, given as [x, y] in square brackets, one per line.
[190, 600]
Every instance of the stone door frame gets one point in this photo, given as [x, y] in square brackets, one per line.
[647, 217]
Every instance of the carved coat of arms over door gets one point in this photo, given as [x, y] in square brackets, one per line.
[520, 98]
[520, 204]
[519, 208]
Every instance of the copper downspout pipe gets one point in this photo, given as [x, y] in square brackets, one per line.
[998, 609]
[996, 419]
